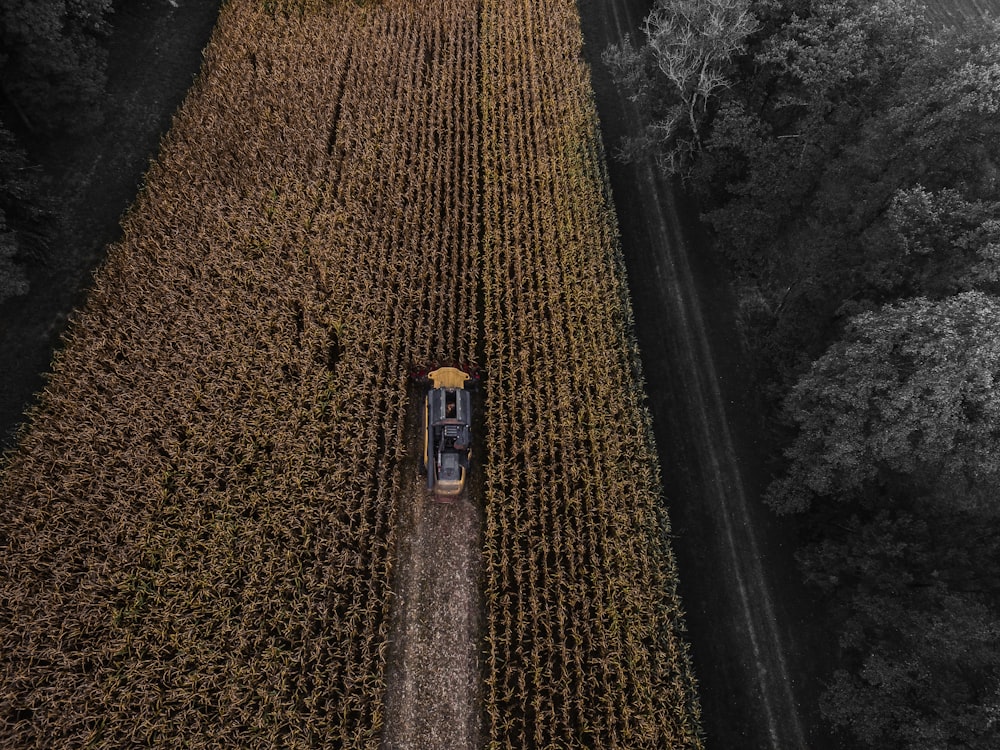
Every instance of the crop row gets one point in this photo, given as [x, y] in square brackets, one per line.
[198, 526]
[198, 546]
[584, 642]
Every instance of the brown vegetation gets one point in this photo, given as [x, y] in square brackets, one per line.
[584, 646]
[198, 532]
[199, 526]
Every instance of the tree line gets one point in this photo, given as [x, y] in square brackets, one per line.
[846, 155]
[52, 74]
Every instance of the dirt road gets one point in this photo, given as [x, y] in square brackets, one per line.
[433, 699]
[755, 645]
[433, 673]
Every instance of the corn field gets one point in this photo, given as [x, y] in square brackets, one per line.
[584, 646]
[197, 532]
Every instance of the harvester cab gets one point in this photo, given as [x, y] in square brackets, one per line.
[447, 431]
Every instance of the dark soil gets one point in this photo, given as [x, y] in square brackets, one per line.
[154, 54]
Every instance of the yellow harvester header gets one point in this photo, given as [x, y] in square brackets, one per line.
[448, 377]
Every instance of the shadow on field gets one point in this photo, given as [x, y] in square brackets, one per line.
[154, 52]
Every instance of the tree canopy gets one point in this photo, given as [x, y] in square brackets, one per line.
[684, 64]
[921, 636]
[847, 159]
[827, 111]
[909, 395]
[52, 66]
[52, 73]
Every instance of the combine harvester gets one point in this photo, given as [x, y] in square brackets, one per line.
[447, 429]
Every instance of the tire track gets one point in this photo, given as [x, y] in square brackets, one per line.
[434, 677]
[684, 345]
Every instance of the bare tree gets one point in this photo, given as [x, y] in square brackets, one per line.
[693, 42]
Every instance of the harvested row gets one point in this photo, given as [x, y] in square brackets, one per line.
[196, 544]
[584, 645]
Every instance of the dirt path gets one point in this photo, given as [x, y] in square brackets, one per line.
[755, 643]
[434, 676]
